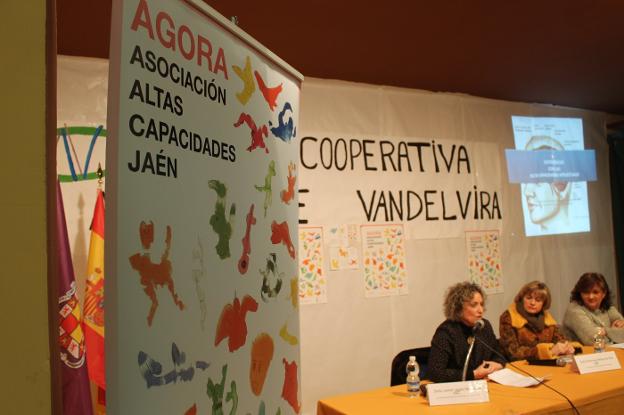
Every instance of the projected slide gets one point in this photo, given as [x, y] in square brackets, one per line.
[552, 168]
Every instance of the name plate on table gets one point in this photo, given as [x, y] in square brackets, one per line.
[597, 362]
[451, 393]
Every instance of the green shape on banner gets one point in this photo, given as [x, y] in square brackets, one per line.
[232, 395]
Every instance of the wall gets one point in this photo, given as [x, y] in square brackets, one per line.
[347, 343]
[81, 102]
[25, 386]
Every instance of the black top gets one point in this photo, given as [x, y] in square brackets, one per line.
[449, 348]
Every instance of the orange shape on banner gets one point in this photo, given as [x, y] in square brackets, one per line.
[261, 356]
[152, 274]
[269, 94]
[291, 385]
[232, 322]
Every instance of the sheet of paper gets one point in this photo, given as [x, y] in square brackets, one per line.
[617, 345]
[508, 377]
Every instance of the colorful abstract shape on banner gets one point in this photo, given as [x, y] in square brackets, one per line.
[312, 281]
[154, 274]
[484, 260]
[269, 93]
[246, 76]
[243, 262]
[232, 323]
[291, 385]
[261, 356]
[383, 248]
[288, 194]
[152, 370]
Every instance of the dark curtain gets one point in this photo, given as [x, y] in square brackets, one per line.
[615, 137]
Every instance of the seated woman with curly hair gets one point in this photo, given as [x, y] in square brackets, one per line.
[464, 306]
[528, 330]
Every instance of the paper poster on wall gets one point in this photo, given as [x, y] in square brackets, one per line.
[343, 242]
[383, 259]
[484, 260]
[437, 188]
[553, 179]
[312, 280]
[202, 229]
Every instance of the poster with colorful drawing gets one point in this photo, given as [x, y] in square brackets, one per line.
[312, 280]
[383, 259]
[202, 216]
[343, 242]
[484, 260]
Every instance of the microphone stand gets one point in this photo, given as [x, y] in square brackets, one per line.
[471, 341]
[540, 382]
[478, 326]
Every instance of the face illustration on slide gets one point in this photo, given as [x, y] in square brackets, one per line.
[547, 203]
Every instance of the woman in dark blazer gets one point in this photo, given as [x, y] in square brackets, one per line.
[464, 305]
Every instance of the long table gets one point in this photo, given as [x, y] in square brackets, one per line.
[595, 393]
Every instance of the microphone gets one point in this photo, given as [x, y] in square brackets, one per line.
[479, 324]
[540, 382]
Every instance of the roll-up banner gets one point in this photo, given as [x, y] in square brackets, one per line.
[201, 264]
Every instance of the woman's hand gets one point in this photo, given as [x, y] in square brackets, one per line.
[562, 348]
[618, 323]
[485, 368]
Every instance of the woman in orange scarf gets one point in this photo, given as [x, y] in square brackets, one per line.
[528, 330]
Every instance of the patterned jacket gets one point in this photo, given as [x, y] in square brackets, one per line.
[520, 341]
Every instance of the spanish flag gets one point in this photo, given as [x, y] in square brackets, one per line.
[94, 298]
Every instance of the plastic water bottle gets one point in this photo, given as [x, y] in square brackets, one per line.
[600, 340]
[564, 360]
[413, 381]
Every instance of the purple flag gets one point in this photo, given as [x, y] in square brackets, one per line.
[74, 376]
